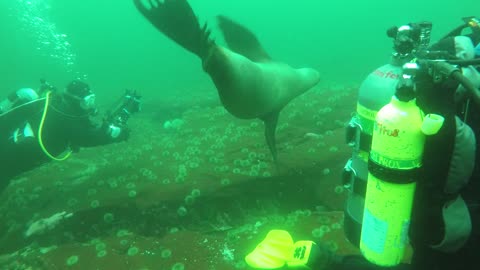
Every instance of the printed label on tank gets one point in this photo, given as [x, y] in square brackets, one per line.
[404, 234]
[385, 130]
[388, 74]
[394, 163]
[365, 112]
[366, 117]
[374, 232]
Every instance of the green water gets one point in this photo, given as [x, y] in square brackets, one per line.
[114, 47]
[140, 189]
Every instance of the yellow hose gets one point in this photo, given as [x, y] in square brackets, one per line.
[40, 129]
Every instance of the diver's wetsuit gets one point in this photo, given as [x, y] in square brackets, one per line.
[63, 128]
[427, 226]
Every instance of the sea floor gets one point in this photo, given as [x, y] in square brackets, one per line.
[193, 188]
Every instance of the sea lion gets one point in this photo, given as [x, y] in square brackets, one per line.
[250, 84]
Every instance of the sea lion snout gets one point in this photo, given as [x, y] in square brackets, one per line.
[311, 77]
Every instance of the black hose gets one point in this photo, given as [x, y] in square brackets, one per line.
[472, 62]
[447, 69]
[465, 82]
[456, 31]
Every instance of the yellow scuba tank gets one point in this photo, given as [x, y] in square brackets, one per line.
[375, 92]
[394, 162]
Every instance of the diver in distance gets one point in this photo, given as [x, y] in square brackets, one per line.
[36, 128]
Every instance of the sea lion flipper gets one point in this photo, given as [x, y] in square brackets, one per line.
[241, 40]
[240, 71]
[176, 19]
[270, 121]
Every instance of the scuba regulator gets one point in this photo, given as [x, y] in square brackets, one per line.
[45, 87]
[411, 38]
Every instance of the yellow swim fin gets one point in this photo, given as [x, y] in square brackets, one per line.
[273, 252]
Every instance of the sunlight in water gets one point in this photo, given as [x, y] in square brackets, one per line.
[34, 16]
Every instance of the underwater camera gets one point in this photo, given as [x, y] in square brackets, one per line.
[128, 104]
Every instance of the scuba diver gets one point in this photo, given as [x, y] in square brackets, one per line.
[50, 125]
[441, 216]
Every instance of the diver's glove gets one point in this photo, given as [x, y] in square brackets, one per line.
[118, 133]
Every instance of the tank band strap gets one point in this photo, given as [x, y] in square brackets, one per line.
[360, 186]
[365, 142]
[393, 175]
